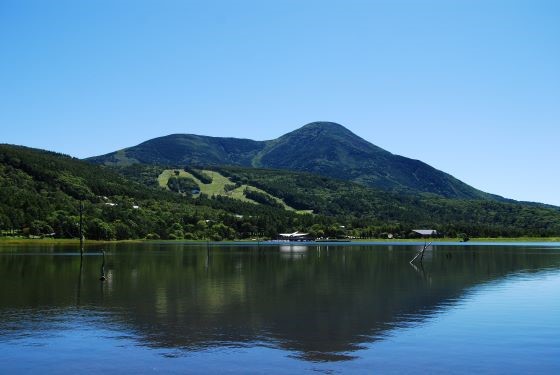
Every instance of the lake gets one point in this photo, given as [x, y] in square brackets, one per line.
[244, 309]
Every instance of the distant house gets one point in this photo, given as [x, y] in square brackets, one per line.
[110, 204]
[195, 191]
[425, 232]
[135, 207]
[296, 236]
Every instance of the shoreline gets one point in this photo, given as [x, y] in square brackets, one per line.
[70, 241]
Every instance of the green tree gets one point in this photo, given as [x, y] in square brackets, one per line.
[176, 232]
[122, 231]
[97, 229]
[39, 227]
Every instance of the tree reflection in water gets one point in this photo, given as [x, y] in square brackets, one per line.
[321, 303]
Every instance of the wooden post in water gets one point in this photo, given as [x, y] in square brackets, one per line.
[79, 288]
[423, 250]
[81, 228]
[102, 277]
[420, 253]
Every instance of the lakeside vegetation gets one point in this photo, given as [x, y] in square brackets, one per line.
[21, 240]
[42, 193]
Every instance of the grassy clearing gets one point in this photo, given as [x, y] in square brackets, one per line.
[218, 187]
[163, 178]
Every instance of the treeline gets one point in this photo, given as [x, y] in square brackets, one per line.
[201, 176]
[261, 198]
[41, 194]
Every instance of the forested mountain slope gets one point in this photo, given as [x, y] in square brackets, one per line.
[323, 148]
[41, 193]
[375, 211]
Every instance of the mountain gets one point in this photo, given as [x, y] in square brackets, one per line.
[323, 148]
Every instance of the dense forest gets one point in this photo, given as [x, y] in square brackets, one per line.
[41, 193]
[375, 211]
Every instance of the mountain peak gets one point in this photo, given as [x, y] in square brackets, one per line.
[323, 127]
[323, 131]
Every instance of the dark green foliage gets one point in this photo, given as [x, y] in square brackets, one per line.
[201, 176]
[186, 149]
[230, 187]
[262, 198]
[142, 173]
[181, 184]
[97, 229]
[39, 228]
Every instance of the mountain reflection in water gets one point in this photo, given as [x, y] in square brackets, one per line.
[321, 303]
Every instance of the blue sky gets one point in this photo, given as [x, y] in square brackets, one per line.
[471, 87]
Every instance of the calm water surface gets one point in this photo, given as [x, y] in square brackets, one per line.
[173, 308]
